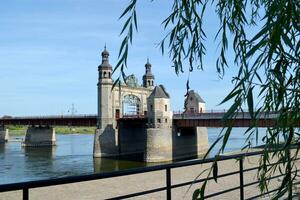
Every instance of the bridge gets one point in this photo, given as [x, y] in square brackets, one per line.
[180, 119]
[136, 118]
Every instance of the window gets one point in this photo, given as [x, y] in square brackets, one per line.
[191, 98]
[158, 121]
[166, 120]
[152, 83]
[148, 82]
[104, 74]
[166, 108]
[151, 107]
[108, 74]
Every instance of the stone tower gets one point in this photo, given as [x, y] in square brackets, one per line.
[105, 142]
[148, 78]
[104, 91]
[159, 131]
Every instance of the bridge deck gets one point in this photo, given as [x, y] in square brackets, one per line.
[180, 120]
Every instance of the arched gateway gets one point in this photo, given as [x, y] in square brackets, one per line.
[157, 138]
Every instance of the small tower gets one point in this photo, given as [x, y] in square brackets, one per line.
[158, 106]
[148, 78]
[194, 103]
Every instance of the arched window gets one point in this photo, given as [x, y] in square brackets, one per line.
[166, 120]
[148, 82]
[104, 74]
[152, 83]
[108, 74]
[166, 108]
[151, 107]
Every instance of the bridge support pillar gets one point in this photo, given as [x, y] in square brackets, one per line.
[106, 142]
[4, 136]
[40, 136]
[159, 146]
[202, 140]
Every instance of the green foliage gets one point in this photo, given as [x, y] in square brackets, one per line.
[268, 72]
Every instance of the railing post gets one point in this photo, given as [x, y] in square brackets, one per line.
[168, 183]
[241, 178]
[25, 194]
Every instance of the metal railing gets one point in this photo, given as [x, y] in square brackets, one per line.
[25, 186]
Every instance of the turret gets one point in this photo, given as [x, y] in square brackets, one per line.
[148, 78]
[159, 111]
[105, 69]
[194, 103]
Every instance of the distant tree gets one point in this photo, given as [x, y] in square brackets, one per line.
[267, 76]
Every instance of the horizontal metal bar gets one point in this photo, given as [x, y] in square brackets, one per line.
[203, 179]
[139, 193]
[221, 192]
[255, 197]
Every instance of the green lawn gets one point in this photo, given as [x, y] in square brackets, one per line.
[21, 130]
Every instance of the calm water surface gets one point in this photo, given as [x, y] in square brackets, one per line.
[73, 156]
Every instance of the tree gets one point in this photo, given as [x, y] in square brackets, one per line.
[268, 75]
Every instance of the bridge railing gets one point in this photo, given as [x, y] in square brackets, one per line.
[138, 116]
[26, 186]
[220, 113]
[49, 117]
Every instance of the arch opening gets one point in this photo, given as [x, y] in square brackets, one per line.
[131, 105]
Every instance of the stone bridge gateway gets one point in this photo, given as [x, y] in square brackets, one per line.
[135, 119]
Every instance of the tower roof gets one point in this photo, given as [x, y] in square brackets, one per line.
[105, 52]
[159, 92]
[196, 95]
[148, 73]
[105, 60]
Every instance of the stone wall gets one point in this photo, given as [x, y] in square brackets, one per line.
[132, 137]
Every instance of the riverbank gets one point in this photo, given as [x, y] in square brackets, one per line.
[21, 130]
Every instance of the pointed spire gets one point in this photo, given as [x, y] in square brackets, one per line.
[148, 66]
[105, 53]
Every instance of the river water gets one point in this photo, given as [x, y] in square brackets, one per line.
[73, 156]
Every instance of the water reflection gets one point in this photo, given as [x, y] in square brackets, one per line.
[107, 165]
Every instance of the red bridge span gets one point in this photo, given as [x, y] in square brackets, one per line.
[181, 120]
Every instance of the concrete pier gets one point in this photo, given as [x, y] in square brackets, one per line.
[4, 136]
[105, 142]
[190, 142]
[159, 145]
[40, 136]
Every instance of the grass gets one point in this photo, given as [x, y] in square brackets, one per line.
[21, 130]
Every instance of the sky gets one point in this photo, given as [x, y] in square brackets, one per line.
[50, 51]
